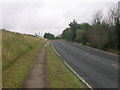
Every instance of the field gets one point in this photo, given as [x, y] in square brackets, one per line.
[18, 54]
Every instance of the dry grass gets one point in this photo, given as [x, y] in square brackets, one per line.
[15, 45]
[18, 54]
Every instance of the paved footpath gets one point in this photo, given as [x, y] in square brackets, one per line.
[36, 76]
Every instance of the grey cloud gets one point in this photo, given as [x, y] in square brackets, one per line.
[44, 17]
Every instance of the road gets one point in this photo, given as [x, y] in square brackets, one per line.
[98, 69]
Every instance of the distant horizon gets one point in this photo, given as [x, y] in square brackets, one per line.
[35, 32]
[29, 33]
[45, 16]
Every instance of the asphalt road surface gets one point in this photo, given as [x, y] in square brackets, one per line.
[98, 69]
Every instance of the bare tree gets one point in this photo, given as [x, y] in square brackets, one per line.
[96, 28]
[97, 17]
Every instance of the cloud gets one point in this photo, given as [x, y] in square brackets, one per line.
[47, 16]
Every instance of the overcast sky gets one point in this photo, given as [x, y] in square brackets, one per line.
[48, 15]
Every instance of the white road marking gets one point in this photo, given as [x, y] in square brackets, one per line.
[73, 70]
[115, 65]
[55, 50]
[78, 76]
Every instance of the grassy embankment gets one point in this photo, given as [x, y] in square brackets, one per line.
[59, 75]
[18, 54]
[0, 59]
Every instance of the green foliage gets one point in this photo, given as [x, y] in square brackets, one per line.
[70, 33]
[118, 33]
[49, 36]
[81, 36]
[85, 26]
[67, 34]
[58, 38]
[103, 33]
[73, 27]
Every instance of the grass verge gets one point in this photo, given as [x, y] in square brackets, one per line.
[59, 75]
[14, 45]
[14, 75]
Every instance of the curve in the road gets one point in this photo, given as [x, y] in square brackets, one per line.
[97, 68]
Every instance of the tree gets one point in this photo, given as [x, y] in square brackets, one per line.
[113, 20]
[49, 36]
[85, 26]
[96, 38]
[103, 33]
[81, 36]
[73, 26]
[67, 34]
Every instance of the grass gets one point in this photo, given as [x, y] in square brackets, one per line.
[14, 45]
[19, 52]
[59, 75]
[0, 58]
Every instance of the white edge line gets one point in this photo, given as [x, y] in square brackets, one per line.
[78, 76]
[73, 70]
[55, 50]
[115, 65]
